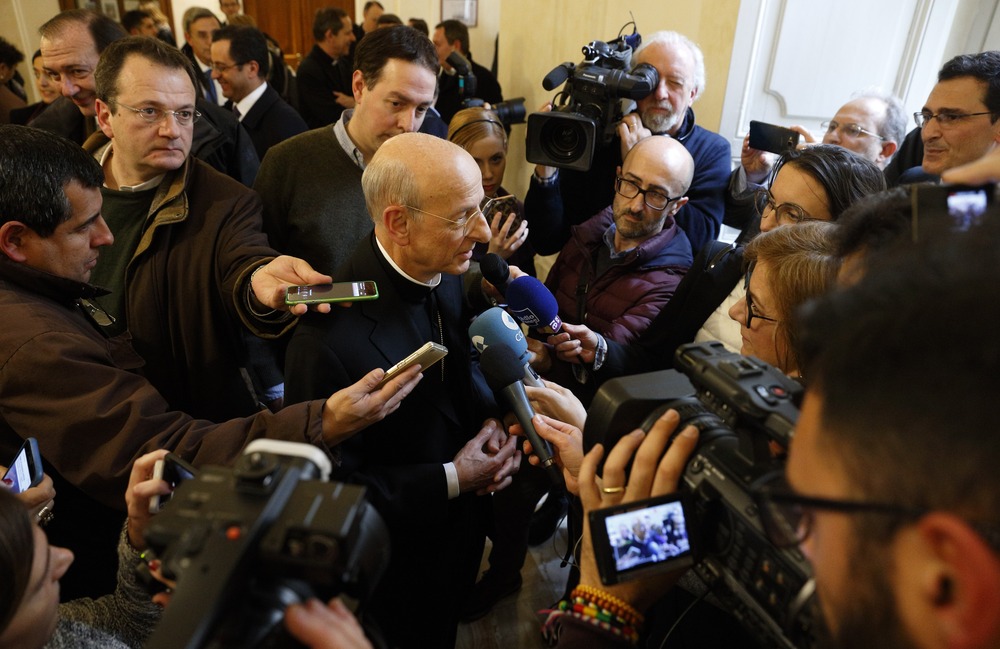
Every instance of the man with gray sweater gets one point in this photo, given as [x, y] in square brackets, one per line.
[311, 184]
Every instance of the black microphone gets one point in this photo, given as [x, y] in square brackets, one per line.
[557, 76]
[496, 271]
[503, 371]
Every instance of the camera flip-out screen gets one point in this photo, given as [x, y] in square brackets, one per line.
[640, 538]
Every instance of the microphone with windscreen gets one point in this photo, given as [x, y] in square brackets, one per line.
[503, 371]
[530, 302]
[495, 327]
[496, 271]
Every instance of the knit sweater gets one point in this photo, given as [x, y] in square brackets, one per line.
[313, 204]
[121, 619]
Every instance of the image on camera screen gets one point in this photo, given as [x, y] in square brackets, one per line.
[966, 208]
[649, 535]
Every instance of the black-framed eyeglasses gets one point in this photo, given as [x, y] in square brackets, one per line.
[751, 309]
[851, 130]
[788, 517]
[945, 120]
[786, 213]
[655, 199]
[156, 115]
[465, 223]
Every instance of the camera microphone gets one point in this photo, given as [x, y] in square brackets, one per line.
[502, 370]
[557, 77]
[530, 302]
[496, 327]
[496, 271]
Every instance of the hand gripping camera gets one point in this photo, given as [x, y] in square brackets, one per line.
[588, 109]
[244, 543]
[745, 411]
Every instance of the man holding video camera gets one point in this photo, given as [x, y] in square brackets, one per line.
[666, 111]
[887, 489]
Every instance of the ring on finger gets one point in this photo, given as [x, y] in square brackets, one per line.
[612, 490]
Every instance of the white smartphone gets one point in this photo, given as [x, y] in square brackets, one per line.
[426, 356]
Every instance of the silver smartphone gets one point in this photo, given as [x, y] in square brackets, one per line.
[337, 292]
[426, 356]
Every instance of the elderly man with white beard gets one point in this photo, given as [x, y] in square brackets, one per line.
[666, 111]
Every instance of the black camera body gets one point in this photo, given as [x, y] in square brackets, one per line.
[742, 408]
[587, 111]
[244, 543]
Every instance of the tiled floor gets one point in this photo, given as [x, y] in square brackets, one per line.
[513, 623]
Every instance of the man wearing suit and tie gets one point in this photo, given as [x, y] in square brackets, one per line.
[429, 466]
[240, 65]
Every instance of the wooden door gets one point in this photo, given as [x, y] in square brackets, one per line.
[290, 21]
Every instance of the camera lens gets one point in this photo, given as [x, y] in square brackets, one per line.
[563, 141]
[511, 112]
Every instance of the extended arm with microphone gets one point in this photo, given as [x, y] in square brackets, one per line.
[502, 369]
[496, 271]
[495, 327]
[530, 302]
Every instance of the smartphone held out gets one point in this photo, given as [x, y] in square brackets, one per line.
[771, 138]
[25, 470]
[939, 209]
[505, 205]
[425, 356]
[330, 293]
[175, 471]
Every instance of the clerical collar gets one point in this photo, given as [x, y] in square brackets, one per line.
[431, 284]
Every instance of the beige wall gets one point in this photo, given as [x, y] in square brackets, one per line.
[19, 23]
[537, 35]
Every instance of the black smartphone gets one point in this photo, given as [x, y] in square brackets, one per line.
[768, 137]
[25, 470]
[337, 292]
[175, 471]
[641, 538]
[949, 208]
[425, 356]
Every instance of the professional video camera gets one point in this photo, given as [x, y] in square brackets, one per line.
[244, 543]
[742, 408]
[588, 109]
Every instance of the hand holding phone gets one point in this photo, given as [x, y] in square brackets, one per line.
[329, 293]
[768, 137]
[174, 471]
[427, 355]
[25, 469]
[505, 206]
[940, 209]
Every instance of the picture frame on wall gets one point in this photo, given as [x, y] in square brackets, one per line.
[465, 11]
[111, 10]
